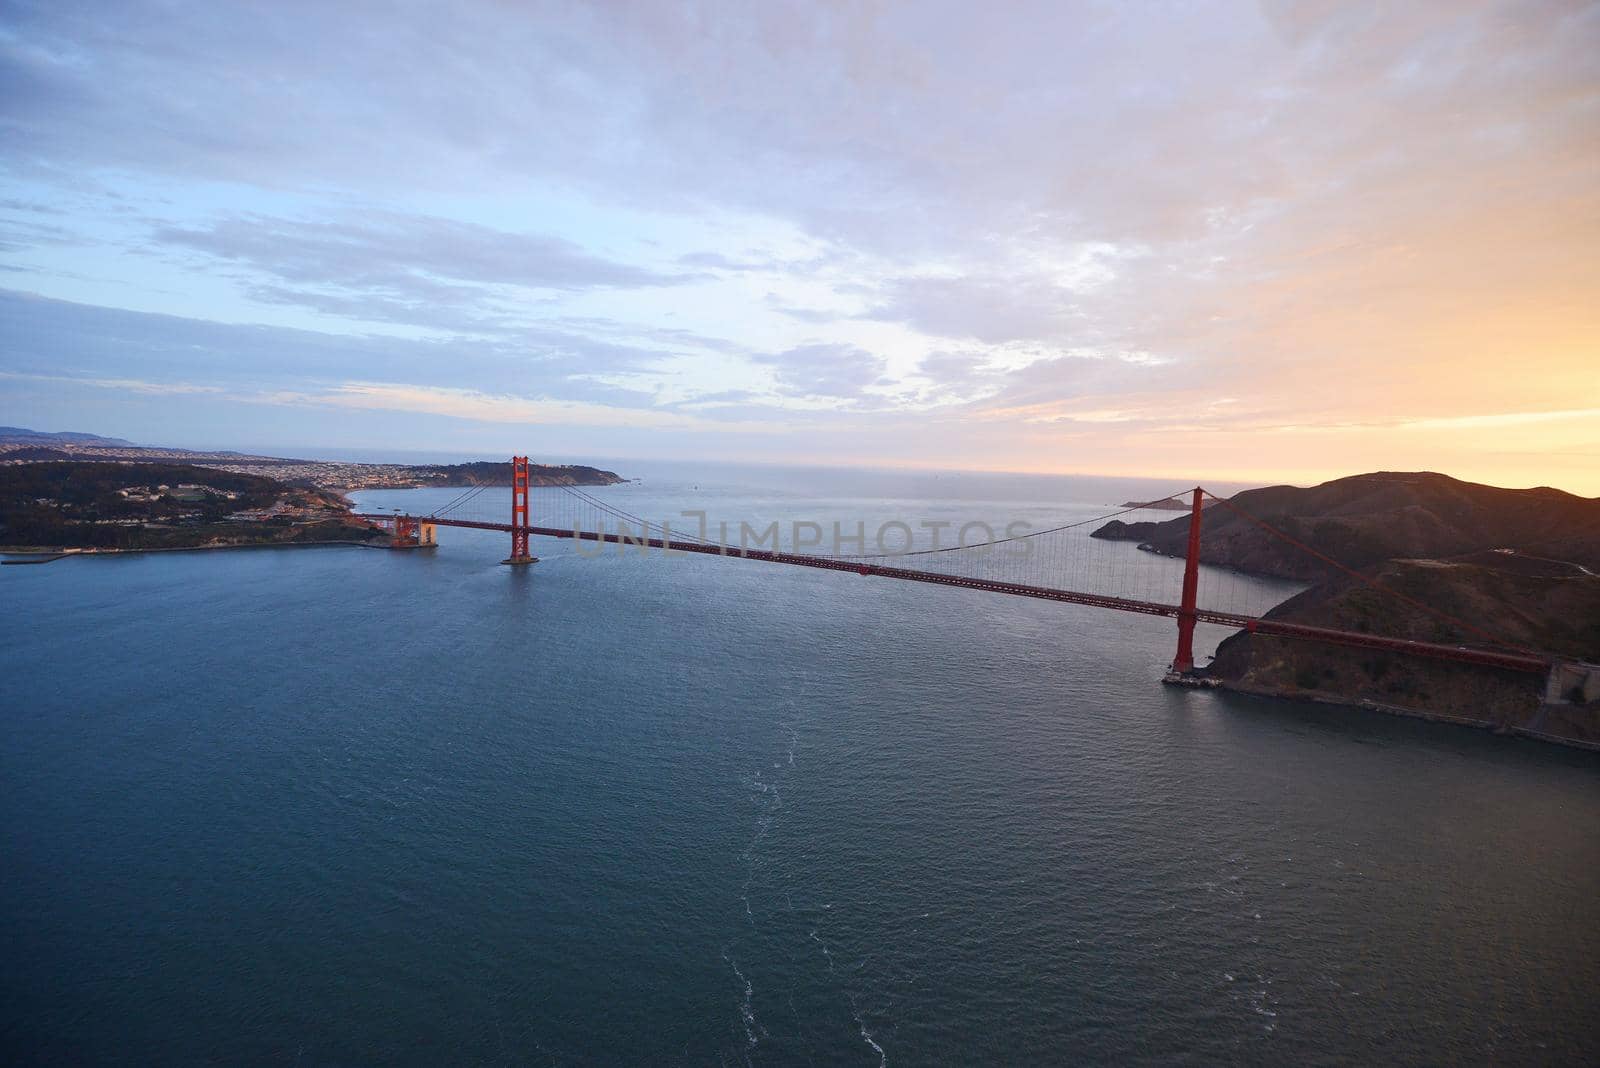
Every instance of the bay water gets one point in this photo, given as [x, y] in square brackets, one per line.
[348, 806]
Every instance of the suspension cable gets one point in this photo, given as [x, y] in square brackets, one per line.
[630, 517]
[612, 509]
[461, 498]
[1024, 537]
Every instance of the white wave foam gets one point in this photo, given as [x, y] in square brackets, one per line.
[866, 1036]
[747, 1011]
[825, 951]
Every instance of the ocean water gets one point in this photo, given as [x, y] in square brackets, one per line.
[344, 806]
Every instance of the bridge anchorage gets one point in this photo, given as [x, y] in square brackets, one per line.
[408, 532]
[1058, 564]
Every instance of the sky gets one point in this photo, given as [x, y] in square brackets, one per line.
[1274, 242]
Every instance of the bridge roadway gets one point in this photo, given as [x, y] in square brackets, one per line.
[1256, 625]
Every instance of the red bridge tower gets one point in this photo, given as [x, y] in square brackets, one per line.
[519, 513]
[1184, 661]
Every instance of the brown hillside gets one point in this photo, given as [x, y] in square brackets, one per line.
[1367, 519]
[1556, 610]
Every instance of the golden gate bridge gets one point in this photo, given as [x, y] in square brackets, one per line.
[1056, 564]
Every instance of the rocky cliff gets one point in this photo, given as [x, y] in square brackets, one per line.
[1547, 607]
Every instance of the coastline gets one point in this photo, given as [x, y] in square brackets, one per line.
[1369, 705]
[52, 555]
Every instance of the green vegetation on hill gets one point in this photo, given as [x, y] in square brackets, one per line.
[498, 473]
[135, 506]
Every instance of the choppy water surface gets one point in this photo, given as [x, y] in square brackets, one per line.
[344, 806]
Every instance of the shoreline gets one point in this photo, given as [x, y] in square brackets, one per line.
[1369, 705]
[50, 556]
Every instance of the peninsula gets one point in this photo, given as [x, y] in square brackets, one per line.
[82, 492]
[18, 445]
[1168, 504]
[1528, 560]
[89, 505]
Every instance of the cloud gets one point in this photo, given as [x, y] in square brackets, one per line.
[466, 404]
[411, 269]
[409, 252]
[46, 336]
[804, 315]
[990, 310]
[1493, 420]
[1338, 215]
[18, 234]
[494, 408]
[468, 313]
[834, 372]
[717, 261]
[722, 398]
[128, 385]
[546, 375]
[951, 367]
[961, 377]
[891, 128]
[675, 337]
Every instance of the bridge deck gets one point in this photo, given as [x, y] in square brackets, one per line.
[1255, 624]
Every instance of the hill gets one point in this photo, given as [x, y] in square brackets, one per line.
[1551, 608]
[1365, 520]
[498, 473]
[1519, 564]
[16, 435]
[29, 446]
[101, 505]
